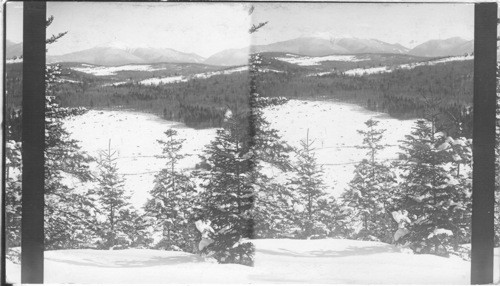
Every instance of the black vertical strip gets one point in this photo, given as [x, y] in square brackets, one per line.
[33, 133]
[3, 225]
[483, 184]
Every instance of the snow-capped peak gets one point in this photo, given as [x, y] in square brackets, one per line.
[116, 44]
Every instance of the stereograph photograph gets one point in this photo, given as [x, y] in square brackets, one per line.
[250, 143]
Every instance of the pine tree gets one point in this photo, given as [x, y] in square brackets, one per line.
[13, 189]
[68, 213]
[171, 203]
[113, 201]
[272, 200]
[371, 192]
[308, 186]
[229, 191]
[431, 194]
[272, 214]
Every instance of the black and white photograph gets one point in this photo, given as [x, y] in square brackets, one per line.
[262, 143]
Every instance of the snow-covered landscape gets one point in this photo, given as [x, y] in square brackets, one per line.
[247, 144]
[165, 80]
[105, 71]
[328, 261]
[388, 69]
[312, 61]
[134, 135]
[333, 126]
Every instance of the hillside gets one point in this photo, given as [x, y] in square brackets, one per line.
[440, 48]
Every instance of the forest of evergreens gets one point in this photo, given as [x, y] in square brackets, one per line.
[200, 103]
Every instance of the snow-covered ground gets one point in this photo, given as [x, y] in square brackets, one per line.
[314, 61]
[333, 127]
[62, 80]
[387, 69]
[105, 71]
[172, 79]
[331, 261]
[134, 135]
[13, 61]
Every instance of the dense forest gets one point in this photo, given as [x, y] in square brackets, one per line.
[201, 102]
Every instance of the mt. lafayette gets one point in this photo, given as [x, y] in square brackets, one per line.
[114, 55]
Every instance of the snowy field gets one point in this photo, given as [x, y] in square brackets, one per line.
[134, 135]
[105, 71]
[324, 261]
[333, 127]
[387, 69]
[172, 79]
[314, 61]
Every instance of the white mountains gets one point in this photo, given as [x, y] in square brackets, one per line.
[113, 55]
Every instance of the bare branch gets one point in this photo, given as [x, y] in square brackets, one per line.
[257, 27]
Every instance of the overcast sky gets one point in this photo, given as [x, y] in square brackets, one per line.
[207, 28]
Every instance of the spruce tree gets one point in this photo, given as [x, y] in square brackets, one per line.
[68, 213]
[13, 189]
[227, 199]
[171, 200]
[308, 186]
[272, 200]
[370, 194]
[113, 201]
[430, 193]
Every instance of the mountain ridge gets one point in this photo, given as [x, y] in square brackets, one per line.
[114, 54]
[447, 47]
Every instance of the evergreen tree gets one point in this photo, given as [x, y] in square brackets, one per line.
[272, 200]
[272, 213]
[113, 201]
[431, 194]
[334, 217]
[371, 192]
[68, 213]
[227, 199]
[308, 187]
[171, 203]
[13, 189]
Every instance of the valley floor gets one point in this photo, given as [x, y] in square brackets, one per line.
[277, 261]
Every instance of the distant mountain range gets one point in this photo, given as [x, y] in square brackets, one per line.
[310, 46]
[113, 55]
[13, 49]
[439, 48]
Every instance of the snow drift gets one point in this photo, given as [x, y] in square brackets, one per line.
[276, 261]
